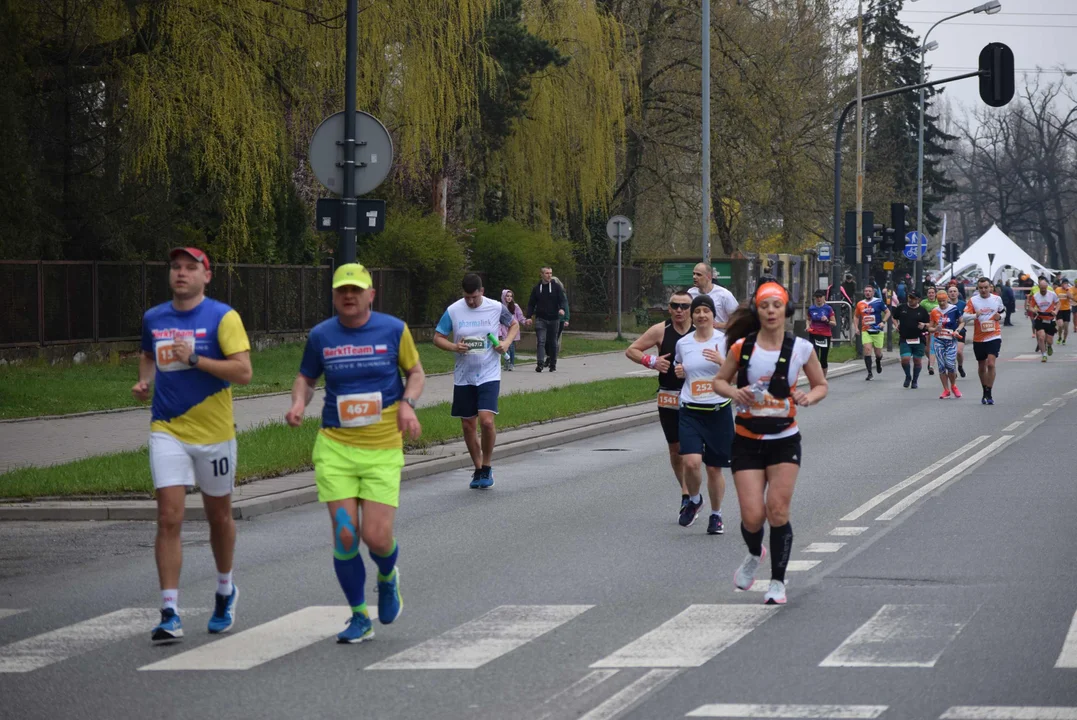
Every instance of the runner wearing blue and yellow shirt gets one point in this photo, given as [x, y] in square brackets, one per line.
[359, 453]
[193, 349]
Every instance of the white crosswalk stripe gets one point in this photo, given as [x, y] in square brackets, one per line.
[265, 642]
[1028, 712]
[52, 647]
[8, 612]
[487, 638]
[691, 638]
[814, 712]
[1068, 657]
[902, 636]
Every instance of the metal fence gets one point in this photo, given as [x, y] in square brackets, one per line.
[61, 302]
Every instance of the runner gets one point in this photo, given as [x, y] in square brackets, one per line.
[1073, 300]
[946, 322]
[706, 420]
[193, 349]
[929, 303]
[358, 454]
[1065, 300]
[822, 319]
[911, 320]
[664, 336]
[870, 319]
[1046, 306]
[473, 321]
[766, 446]
[725, 304]
[986, 309]
[954, 294]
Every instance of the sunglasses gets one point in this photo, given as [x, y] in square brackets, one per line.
[679, 306]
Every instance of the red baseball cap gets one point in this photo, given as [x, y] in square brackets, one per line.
[193, 252]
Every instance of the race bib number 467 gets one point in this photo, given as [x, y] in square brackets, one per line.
[359, 409]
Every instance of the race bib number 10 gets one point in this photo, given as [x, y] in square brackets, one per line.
[359, 409]
[166, 357]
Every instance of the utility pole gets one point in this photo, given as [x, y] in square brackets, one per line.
[346, 251]
[706, 131]
[859, 132]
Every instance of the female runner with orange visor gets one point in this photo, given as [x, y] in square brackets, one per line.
[766, 446]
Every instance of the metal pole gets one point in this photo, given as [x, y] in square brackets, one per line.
[619, 243]
[346, 252]
[859, 132]
[706, 133]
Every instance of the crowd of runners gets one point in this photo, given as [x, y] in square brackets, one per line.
[728, 395]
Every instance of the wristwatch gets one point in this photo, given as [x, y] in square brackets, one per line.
[409, 401]
[193, 360]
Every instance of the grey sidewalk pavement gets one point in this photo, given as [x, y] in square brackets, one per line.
[50, 441]
[272, 494]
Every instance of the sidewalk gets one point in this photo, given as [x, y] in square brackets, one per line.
[272, 494]
[51, 441]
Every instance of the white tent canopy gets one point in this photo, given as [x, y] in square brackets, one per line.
[1004, 252]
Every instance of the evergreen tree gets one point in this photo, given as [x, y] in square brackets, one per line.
[893, 124]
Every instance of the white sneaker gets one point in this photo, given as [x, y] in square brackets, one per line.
[776, 594]
[744, 577]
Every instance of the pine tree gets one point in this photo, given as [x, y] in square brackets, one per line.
[893, 124]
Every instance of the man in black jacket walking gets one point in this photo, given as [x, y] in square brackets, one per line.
[546, 307]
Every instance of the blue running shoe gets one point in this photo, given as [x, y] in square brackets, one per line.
[990, 401]
[390, 601]
[486, 479]
[476, 479]
[169, 630]
[359, 629]
[224, 612]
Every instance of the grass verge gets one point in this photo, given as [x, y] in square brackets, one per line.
[841, 353]
[275, 449]
[37, 388]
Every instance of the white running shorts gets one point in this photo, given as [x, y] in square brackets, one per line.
[211, 467]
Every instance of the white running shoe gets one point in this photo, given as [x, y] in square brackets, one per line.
[776, 594]
[744, 577]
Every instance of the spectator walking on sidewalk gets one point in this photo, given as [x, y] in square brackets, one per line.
[508, 299]
[546, 306]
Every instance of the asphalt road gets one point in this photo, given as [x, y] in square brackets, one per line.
[569, 591]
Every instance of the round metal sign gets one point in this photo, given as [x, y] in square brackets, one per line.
[619, 228]
[373, 159]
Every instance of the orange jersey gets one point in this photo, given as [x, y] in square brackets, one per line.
[987, 326]
[1064, 297]
[1046, 305]
[870, 313]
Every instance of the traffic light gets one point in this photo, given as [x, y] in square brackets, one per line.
[996, 74]
[950, 253]
[868, 225]
[848, 250]
[898, 213]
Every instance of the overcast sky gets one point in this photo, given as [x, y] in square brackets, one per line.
[1041, 33]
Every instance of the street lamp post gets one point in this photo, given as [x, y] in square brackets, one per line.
[990, 8]
[706, 61]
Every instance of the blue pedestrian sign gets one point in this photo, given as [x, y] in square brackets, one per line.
[915, 245]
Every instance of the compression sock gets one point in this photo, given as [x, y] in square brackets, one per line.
[908, 373]
[351, 574]
[878, 364]
[781, 547]
[916, 373]
[386, 563]
[754, 540]
[867, 362]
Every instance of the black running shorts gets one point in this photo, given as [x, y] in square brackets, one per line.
[749, 454]
[982, 349]
[671, 421]
[1048, 326]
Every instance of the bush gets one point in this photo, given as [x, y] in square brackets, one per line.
[510, 255]
[433, 258]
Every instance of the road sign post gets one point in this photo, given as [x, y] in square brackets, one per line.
[619, 229]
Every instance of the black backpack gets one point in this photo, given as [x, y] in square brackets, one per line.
[778, 387]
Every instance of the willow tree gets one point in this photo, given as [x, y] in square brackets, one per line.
[563, 154]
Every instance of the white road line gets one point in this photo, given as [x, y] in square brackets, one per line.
[264, 642]
[1054, 401]
[824, 547]
[887, 494]
[52, 647]
[801, 565]
[972, 712]
[487, 638]
[1068, 657]
[815, 712]
[630, 694]
[847, 531]
[1013, 426]
[690, 638]
[1071, 392]
[579, 688]
[901, 636]
[943, 479]
[1034, 413]
[8, 612]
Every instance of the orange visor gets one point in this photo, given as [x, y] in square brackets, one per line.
[771, 290]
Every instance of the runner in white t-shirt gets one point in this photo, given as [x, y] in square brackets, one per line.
[766, 448]
[705, 424]
[473, 322]
[986, 310]
[725, 304]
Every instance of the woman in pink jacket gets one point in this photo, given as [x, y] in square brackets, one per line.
[509, 301]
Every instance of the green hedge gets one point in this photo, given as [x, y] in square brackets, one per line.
[510, 255]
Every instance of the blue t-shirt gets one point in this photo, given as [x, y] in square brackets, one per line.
[820, 319]
[875, 308]
[189, 403]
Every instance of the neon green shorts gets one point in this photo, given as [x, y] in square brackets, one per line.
[342, 471]
[876, 340]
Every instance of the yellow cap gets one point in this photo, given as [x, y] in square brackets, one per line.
[352, 274]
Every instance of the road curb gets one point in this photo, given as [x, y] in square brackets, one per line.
[245, 509]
